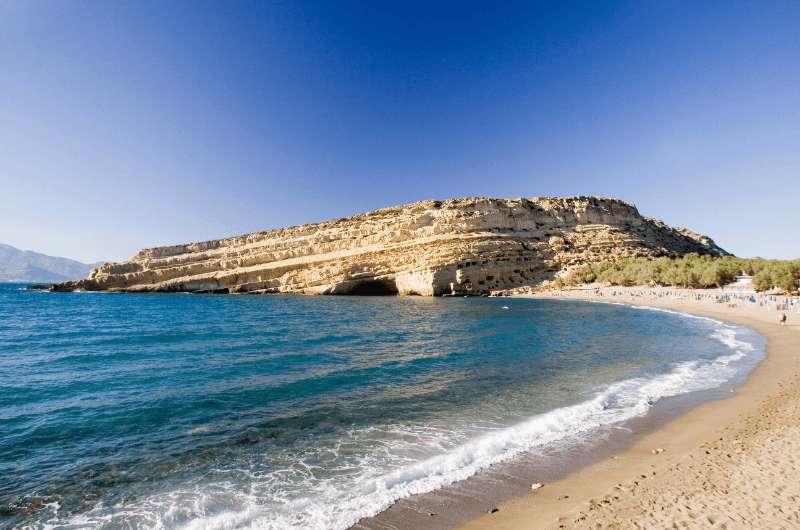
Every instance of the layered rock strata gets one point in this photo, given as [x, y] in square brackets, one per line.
[459, 246]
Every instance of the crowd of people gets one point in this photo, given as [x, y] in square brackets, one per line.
[782, 304]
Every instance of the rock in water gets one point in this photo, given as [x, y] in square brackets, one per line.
[470, 246]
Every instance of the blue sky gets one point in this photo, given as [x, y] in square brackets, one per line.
[133, 124]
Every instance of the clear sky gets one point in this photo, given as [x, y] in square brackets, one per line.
[132, 124]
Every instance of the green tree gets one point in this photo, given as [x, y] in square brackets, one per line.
[762, 281]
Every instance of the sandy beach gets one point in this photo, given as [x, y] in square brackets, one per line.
[730, 463]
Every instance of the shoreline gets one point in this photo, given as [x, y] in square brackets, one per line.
[691, 481]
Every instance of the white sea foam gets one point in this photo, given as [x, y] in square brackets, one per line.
[371, 483]
[673, 312]
[656, 309]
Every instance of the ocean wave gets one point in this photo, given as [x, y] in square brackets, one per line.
[366, 487]
[673, 312]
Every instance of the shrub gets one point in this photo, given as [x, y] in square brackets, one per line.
[691, 270]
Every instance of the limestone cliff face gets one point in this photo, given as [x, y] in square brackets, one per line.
[469, 246]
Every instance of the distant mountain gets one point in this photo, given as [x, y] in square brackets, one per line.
[25, 266]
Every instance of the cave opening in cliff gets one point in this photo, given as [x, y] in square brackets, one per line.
[375, 288]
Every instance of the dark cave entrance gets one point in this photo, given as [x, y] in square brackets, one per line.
[374, 288]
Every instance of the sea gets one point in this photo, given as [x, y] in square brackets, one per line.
[153, 411]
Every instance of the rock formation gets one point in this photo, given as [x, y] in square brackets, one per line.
[460, 246]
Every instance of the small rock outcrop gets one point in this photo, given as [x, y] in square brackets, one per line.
[458, 246]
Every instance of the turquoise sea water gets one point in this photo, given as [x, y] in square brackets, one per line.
[281, 412]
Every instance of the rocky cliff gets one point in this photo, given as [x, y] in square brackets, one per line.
[463, 246]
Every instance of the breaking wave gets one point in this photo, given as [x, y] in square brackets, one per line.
[373, 467]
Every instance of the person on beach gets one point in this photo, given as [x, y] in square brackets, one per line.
[783, 319]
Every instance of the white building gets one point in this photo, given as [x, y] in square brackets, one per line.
[743, 284]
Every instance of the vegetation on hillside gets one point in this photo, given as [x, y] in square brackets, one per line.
[691, 270]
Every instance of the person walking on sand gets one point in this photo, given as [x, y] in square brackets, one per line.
[783, 319]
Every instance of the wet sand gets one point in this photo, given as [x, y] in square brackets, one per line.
[731, 463]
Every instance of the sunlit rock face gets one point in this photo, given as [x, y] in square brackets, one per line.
[461, 246]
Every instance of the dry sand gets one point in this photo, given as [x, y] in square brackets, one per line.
[732, 463]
